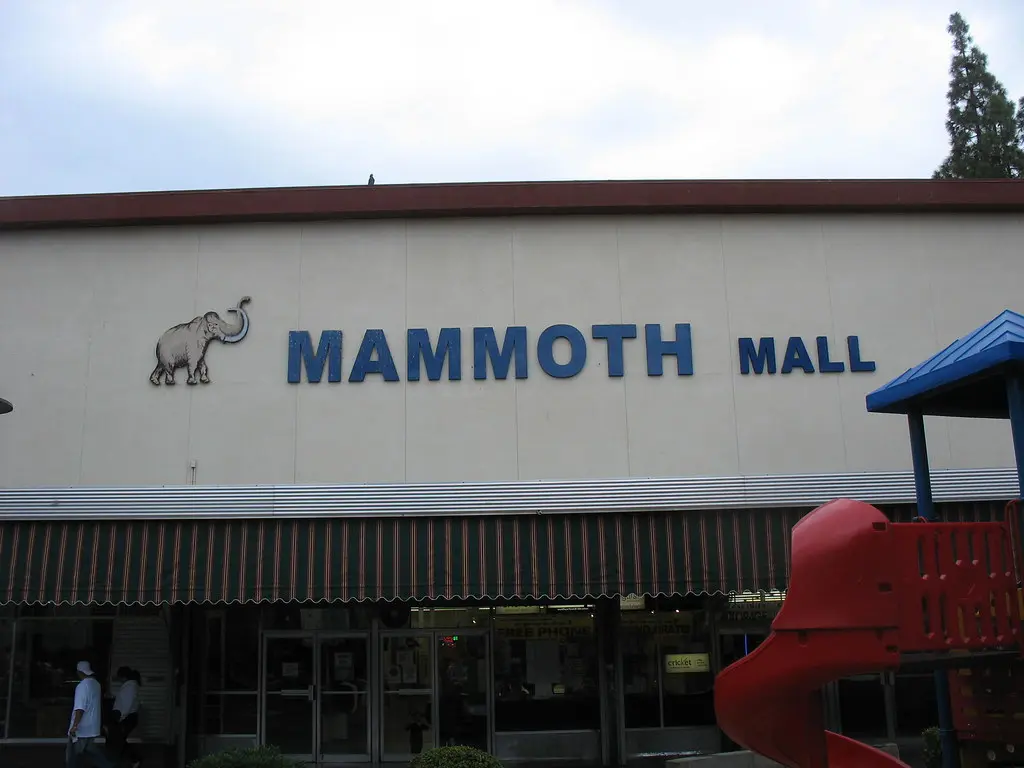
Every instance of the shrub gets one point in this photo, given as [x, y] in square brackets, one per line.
[932, 748]
[455, 757]
[251, 757]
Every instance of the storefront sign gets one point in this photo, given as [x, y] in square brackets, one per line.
[632, 602]
[761, 356]
[686, 663]
[511, 610]
[751, 611]
[658, 625]
[741, 617]
[497, 355]
[544, 627]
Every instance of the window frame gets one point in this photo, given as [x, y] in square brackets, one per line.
[222, 694]
[592, 637]
[660, 642]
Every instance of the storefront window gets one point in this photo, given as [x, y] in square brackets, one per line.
[231, 671]
[641, 679]
[46, 653]
[667, 676]
[546, 670]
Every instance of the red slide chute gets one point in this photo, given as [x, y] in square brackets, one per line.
[864, 592]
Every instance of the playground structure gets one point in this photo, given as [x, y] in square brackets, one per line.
[867, 595]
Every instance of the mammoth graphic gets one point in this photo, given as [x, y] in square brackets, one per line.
[184, 346]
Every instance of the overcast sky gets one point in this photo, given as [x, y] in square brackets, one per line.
[125, 95]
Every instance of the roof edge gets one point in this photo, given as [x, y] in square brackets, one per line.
[383, 201]
[985, 351]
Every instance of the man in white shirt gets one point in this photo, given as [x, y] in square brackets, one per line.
[86, 721]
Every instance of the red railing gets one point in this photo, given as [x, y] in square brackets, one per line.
[958, 586]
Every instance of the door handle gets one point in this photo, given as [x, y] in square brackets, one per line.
[311, 693]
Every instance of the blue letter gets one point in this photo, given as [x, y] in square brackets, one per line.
[546, 351]
[825, 365]
[300, 350]
[614, 334]
[449, 341]
[682, 348]
[856, 364]
[374, 340]
[796, 356]
[485, 345]
[763, 355]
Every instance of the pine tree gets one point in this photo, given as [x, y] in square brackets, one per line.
[986, 128]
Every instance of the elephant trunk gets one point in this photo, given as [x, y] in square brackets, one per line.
[235, 334]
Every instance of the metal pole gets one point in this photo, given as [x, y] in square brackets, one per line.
[889, 692]
[926, 509]
[1015, 401]
[6, 407]
[922, 474]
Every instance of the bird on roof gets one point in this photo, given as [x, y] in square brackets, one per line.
[370, 182]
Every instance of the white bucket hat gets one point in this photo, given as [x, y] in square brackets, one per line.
[85, 668]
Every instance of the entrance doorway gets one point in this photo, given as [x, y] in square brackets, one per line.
[425, 688]
[316, 696]
[435, 690]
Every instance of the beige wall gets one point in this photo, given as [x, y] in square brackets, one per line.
[80, 312]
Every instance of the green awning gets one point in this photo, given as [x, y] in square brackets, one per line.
[408, 558]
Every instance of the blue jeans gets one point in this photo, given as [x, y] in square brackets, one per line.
[84, 751]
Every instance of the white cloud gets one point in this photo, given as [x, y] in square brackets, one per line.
[403, 72]
[714, 95]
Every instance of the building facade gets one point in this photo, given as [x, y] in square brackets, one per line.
[358, 471]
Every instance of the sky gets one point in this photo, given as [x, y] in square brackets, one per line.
[122, 95]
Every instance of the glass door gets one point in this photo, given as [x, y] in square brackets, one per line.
[343, 698]
[289, 694]
[407, 721]
[463, 714]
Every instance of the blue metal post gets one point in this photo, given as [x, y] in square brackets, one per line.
[1015, 399]
[926, 509]
[922, 474]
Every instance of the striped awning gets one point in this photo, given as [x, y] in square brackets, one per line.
[496, 557]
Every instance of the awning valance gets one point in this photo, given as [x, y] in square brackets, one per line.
[499, 557]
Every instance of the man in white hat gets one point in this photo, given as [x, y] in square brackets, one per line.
[86, 721]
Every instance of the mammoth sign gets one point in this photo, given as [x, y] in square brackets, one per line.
[184, 345]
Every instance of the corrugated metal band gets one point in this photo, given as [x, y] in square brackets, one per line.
[219, 561]
[536, 497]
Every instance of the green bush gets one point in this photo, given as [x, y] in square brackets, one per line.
[455, 757]
[252, 757]
[932, 747]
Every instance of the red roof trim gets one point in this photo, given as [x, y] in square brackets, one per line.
[508, 199]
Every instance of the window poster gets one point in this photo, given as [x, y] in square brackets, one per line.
[343, 666]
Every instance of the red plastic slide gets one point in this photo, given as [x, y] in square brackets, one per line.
[862, 592]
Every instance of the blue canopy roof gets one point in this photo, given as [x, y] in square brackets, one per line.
[967, 378]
